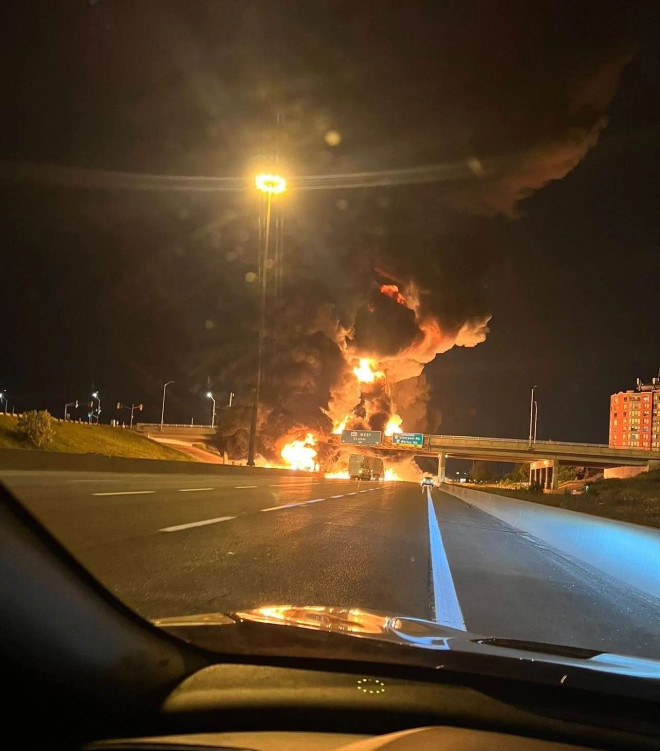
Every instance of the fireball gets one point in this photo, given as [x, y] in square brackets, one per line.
[394, 425]
[365, 372]
[301, 454]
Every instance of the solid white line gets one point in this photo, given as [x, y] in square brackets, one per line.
[447, 607]
[196, 524]
[337, 496]
[193, 490]
[127, 492]
[240, 487]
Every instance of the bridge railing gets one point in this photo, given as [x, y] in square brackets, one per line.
[516, 441]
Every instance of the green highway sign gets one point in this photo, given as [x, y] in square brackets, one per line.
[408, 439]
[361, 437]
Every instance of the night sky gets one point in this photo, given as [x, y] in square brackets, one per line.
[543, 113]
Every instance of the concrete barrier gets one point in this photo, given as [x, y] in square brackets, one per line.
[628, 552]
[40, 461]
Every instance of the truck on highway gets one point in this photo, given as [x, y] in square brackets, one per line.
[363, 467]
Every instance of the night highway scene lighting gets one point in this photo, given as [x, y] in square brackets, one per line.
[330, 378]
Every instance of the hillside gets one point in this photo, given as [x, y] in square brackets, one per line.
[82, 438]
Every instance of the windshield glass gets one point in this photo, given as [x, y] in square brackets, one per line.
[339, 305]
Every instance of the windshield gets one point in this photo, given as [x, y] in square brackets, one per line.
[339, 305]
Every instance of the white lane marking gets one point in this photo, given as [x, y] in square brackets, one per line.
[350, 493]
[193, 490]
[127, 492]
[362, 491]
[197, 524]
[447, 607]
[337, 496]
[241, 487]
[315, 500]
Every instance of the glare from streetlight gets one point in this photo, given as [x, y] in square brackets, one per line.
[269, 183]
[95, 395]
[209, 395]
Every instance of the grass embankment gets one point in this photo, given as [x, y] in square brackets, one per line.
[635, 499]
[82, 438]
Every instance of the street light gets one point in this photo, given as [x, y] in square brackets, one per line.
[66, 408]
[269, 184]
[531, 418]
[162, 412]
[97, 396]
[536, 418]
[209, 395]
[3, 396]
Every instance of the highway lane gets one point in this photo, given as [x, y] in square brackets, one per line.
[179, 544]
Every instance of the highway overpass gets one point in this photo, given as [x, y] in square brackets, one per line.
[543, 456]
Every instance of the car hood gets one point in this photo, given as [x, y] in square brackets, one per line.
[356, 633]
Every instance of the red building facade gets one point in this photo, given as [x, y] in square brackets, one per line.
[635, 417]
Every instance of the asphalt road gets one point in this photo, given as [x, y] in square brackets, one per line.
[179, 544]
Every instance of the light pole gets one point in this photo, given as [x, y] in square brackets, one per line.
[66, 408]
[3, 396]
[97, 396]
[536, 418]
[209, 395]
[531, 417]
[270, 185]
[162, 411]
[231, 398]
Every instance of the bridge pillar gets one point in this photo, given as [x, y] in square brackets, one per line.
[442, 461]
[554, 479]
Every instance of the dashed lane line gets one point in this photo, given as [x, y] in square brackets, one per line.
[127, 492]
[193, 490]
[203, 523]
[244, 487]
[337, 496]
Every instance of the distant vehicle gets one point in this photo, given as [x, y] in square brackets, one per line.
[427, 481]
[363, 467]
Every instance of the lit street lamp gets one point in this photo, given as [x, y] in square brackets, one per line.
[3, 396]
[97, 396]
[231, 398]
[270, 185]
[162, 412]
[209, 395]
[531, 418]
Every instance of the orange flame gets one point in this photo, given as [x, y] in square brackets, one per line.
[394, 425]
[340, 427]
[391, 290]
[301, 454]
[342, 475]
[365, 372]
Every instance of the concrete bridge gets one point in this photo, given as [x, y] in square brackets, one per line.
[543, 456]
